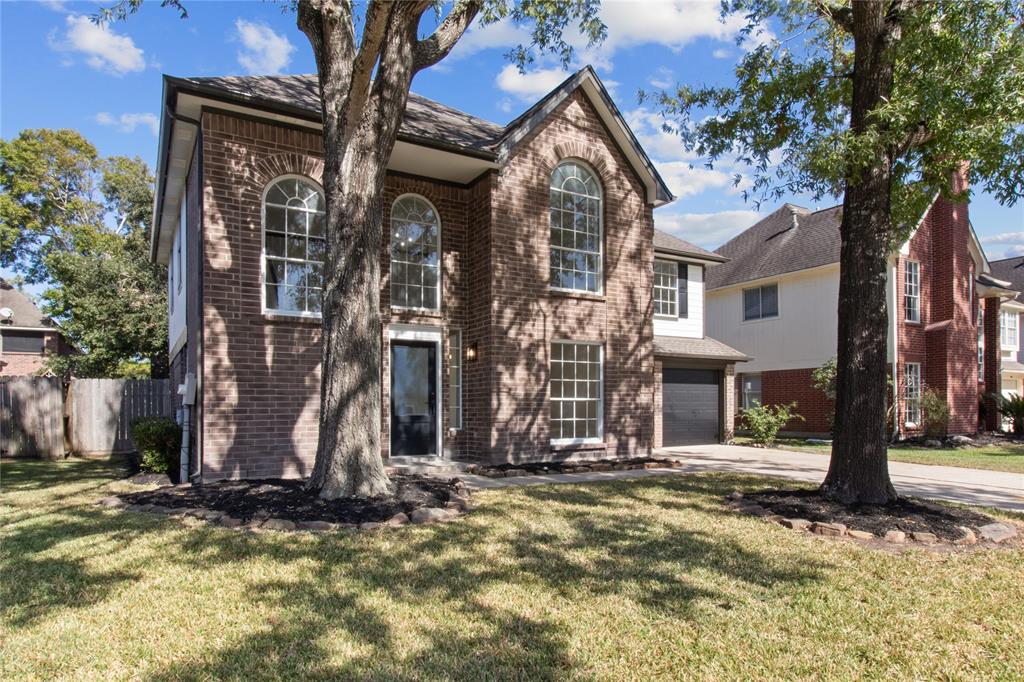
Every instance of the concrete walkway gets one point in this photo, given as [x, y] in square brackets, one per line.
[969, 486]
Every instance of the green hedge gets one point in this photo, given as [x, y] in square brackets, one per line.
[158, 440]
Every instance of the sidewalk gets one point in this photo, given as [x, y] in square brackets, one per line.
[969, 486]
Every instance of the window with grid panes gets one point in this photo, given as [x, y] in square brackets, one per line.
[415, 253]
[575, 229]
[293, 247]
[576, 391]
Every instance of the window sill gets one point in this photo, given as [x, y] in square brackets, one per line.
[293, 319]
[400, 311]
[584, 295]
[572, 446]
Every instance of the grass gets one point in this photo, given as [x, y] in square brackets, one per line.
[621, 580]
[1002, 457]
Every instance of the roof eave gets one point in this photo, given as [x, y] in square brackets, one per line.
[713, 258]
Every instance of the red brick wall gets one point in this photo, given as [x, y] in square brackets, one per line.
[797, 385]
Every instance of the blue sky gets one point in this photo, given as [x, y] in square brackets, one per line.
[57, 69]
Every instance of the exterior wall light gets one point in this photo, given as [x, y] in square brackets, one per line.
[471, 352]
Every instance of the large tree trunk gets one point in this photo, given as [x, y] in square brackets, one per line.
[858, 471]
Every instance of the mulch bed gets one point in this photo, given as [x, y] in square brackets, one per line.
[289, 499]
[907, 514]
[572, 467]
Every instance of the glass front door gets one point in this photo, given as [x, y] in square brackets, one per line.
[413, 398]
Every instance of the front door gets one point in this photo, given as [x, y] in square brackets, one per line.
[413, 398]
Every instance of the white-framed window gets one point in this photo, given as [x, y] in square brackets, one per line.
[666, 288]
[179, 244]
[455, 379]
[1008, 329]
[981, 345]
[912, 392]
[761, 302]
[576, 229]
[294, 245]
[750, 390]
[415, 253]
[912, 291]
[577, 400]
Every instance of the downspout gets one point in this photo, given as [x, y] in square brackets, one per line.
[187, 391]
[894, 320]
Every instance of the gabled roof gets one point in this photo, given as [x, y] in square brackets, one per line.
[776, 245]
[670, 244]
[704, 348]
[1010, 270]
[26, 314]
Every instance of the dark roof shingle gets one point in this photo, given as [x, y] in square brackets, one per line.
[1009, 270]
[704, 348]
[424, 118]
[773, 246]
[26, 314]
[667, 243]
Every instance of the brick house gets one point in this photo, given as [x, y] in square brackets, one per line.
[778, 296]
[1011, 315]
[517, 295]
[27, 336]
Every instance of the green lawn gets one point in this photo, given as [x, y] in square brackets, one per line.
[1004, 457]
[626, 580]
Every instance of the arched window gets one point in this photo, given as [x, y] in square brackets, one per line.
[575, 228]
[415, 253]
[293, 246]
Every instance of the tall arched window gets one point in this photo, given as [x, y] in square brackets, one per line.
[415, 253]
[575, 228]
[293, 246]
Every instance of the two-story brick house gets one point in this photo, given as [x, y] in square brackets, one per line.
[27, 336]
[777, 300]
[1011, 316]
[517, 293]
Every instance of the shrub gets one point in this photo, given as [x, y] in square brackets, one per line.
[765, 421]
[934, 414]
[1013, 409]
[158, 440]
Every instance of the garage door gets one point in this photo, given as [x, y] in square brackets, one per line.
[690, 406]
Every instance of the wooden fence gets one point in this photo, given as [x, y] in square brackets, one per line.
[31, 417]
[99, 414]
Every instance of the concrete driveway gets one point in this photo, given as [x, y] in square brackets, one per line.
[970, 486]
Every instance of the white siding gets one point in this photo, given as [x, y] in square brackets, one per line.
[692, 326]
[176, 331]
[804, 333]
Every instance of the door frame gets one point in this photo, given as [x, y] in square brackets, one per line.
[429, 334]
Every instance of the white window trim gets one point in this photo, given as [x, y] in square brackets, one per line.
[743, 389]
[440, 255]
[757, 320]
[599, 439]
[907, 399]
[435, 335]
[1003, 328]
[456, 352]
[600, 230]
[674, 264]
[916, 296]
[263, 248]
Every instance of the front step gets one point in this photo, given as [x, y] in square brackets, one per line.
[428, 466]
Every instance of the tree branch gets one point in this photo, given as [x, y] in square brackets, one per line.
[378, 14]
[430, 51]
[840, 16]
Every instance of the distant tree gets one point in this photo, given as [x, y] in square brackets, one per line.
[880, 101]
[367, 55]
[80, 224]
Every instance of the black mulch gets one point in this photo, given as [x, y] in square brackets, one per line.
[289, 499]
[569, 466]
[908, 514]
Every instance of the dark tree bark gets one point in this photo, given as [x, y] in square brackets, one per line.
[362, 111]
[858, 470]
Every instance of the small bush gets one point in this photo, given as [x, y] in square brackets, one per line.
[765, 421]
[1013, 409]
[934, 413]
[158, 440]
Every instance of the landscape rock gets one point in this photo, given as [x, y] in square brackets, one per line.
[735, 495]
[997, 532]
[316, 526]
[515, 472]
[110, 502]
[932, 444]
[399, 519]
[861, 534]
[230, 521]
[370, 525]
[967, 536]
[431, 515]
[962, 440]
[581, 470]
[754, 510]
[796, 524]
[209, 514]
[828, 529]
[895, 536]
[924, 538]
[278, 524]
[601, 466]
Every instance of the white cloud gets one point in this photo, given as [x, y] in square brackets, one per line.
[1005, 245]
[648, 126]
[529, 86]
[1004, 238]
[103, 49]
[721, 53]
[709, 230]
[265, 52]
[501, 34]
[127, 123]
[55, 5]
[662, 79]
[686, 181]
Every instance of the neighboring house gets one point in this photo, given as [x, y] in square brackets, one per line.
[517, 291]
[26, 335]
[777, 300]
[1011, 317]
